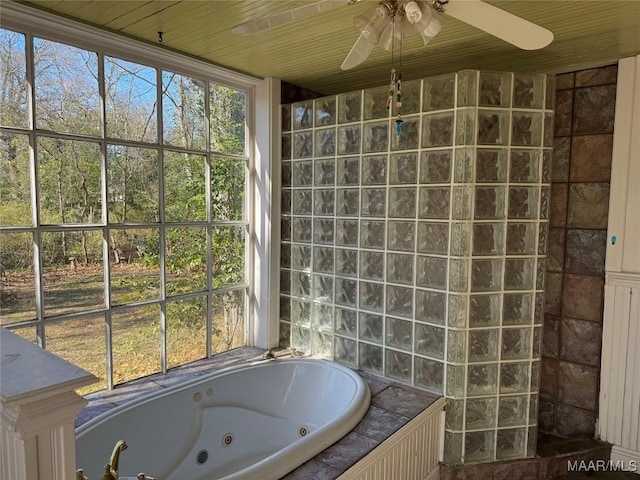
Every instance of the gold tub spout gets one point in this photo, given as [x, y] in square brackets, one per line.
[111, 468]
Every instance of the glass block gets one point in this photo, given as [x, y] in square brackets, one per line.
[489, 203]
[285, 229]
[458, 311]
[523, 202]
[284, 337]
[399, 333]
[458, 275]
[511, 443]
[324, 202]
[325, 144]
[346, 292]
[535, 379]
[431, 306]
[347, 202]
[302, 202]
[488, 239]
[410, 98]
[495, 89]
[528, 91]
[285, 202]
[300, 338]
[550, 92]
[454, 413]
[430, 341]
[285, 308]
[491, 165]
[537, 342]
[466, 126]
[301, 230]
[538, 311]
[408, 139]
[516, 343]
[526, 129]
[285, 281]
[512, 411]
[493, 127]
[543, 238]
[350, 107]
[302, 174]
[467, 88]
[483, 345]
[375, 103]
[517, 309]
[532, 441]
[348, 171]
[434, 202]
[541, 270]
[347, 232]
[400, 268]
[301, 257]
[433, 237]
[373, 202]
[428, 374]
[403, 168]
[521, 238]
[325, 111]
[435, 166]
[482, 379]
[374, 170]
[484, 310]
[371, 327]
[285, 255]
[481, 413]
[302, 144]
[402, 202]
[518, 274]
[525, 165]
[286, 146]
[346, 322]
[323, 288]
[347, 263]
[401, 236]
[286, 174]
[400, 301]
[372, 265]
[486, 275]
[455, 380]
[300, 312]
[348, 140]
[479, 446]
[437, 130]
[532, 418]
[439, 93]
[398, 366]
[286, 117]
[372, 234]
[460, 239]
[456, 345]
[322, 345]
[302, 114]
[370, 358]
[323, 230]
[463, 165]
[301, 284]
[547, 159]
[548, 130]
[376, 137]
[322, 317]
[452, 447]
[544, 203]
[346, 351]
[372, 296]
[431, 272]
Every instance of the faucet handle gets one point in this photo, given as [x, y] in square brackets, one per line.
[80, 475]
[142, 476]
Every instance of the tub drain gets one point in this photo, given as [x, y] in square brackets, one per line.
[227, 440]
[303, 431]
[202, 457]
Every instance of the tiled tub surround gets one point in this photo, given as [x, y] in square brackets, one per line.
[421, 258]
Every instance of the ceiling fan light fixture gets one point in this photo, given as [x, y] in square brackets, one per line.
[372, 23]
[413, 12]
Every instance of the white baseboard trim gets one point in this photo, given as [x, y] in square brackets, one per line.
[627, 456]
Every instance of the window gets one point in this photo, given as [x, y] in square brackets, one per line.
[124, 213]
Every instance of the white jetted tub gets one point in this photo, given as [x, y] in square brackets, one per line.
[250, 422]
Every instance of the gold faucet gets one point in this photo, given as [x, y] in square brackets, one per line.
[111, 468]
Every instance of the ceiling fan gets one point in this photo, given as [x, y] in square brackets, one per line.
[388, 20]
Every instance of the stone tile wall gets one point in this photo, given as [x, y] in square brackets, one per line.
[585, 103]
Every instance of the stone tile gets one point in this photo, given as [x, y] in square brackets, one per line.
[571, 421]
[553, 294]
[585, 251]
[376, 384]
[583, 297]
[558, 205]
[519, 470]
[581, 341]
[597, 76]
[405, 401]
[561, 158]
[551, 336]
[548, 378]
[546, 417]
[130, 391]
[97, 406]
[577, 385]
[477, 472]
[555, 252]
[594, 109]
[565, 81]
[591, 158]
[588, 205]
[347, 451]
[314, 469]
[380, 424]
[563, 113]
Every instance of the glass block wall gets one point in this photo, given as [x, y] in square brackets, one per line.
[421, 257]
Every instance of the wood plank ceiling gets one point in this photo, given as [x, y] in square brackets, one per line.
[309, 52]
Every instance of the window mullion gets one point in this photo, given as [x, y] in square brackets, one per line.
[209, 213]
[162, 231]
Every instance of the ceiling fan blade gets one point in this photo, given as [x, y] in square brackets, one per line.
[358, 54]
[277, 19]
[499, 23]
